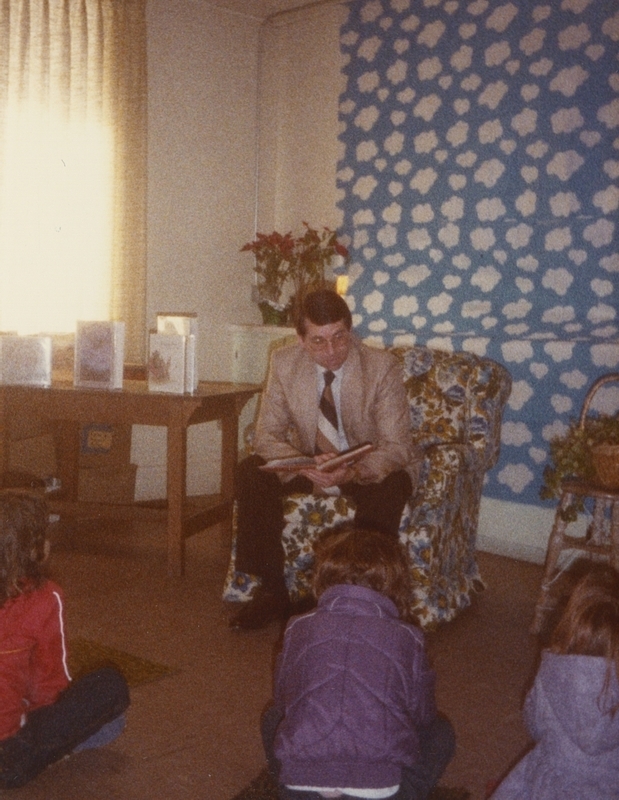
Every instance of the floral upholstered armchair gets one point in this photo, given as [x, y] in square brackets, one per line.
[456, 404]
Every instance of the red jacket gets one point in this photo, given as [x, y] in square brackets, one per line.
[33, 654]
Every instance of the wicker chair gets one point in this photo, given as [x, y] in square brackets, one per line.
[456, 404]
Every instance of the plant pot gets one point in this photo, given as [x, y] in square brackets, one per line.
[272, 315]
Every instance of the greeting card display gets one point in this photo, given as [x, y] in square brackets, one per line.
[99, 355]
[167, 362]
[26, 360]
[183, 324]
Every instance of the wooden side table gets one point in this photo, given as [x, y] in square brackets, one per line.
[600, 541]
[69, 407]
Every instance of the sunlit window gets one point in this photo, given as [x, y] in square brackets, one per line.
[55, 222]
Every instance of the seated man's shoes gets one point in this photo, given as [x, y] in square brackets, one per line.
[265, 607]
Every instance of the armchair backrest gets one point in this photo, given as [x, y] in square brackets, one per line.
[455, 398]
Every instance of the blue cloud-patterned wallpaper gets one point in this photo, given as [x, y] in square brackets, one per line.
[479, 186]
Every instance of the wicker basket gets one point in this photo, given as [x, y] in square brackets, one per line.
[605, 457]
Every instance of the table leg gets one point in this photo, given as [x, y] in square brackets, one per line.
[177, 486]
[229, 458]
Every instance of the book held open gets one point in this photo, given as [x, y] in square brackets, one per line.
[298, 463]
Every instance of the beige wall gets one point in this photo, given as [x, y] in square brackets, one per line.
[211, 75]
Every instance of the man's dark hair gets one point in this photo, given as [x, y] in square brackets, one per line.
[322, 307]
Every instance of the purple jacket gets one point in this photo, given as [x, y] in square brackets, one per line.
[354, 685]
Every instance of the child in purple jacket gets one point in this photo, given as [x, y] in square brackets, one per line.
[354, 712]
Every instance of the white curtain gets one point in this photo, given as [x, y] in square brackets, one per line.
[73, 165]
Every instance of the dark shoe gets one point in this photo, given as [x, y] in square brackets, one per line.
[265, 607]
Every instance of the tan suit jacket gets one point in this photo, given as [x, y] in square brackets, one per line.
[373, 403]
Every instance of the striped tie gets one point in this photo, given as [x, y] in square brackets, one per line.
[327, 437]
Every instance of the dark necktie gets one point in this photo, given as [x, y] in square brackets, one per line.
[327, 438]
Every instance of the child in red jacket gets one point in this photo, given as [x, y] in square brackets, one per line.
[43, 715]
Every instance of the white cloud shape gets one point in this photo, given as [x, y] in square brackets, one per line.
[517, 310]
[568, 81]
[519, 236]
[493, 94]
[538, 369]
[559, 280]
[368, 81]
[422, 213]
[440, 304]
[366, 118]
[563, 204]
[524, 284]
[601, 313]
[490, 209]
[476, 308]
[387, 235]
[609, 114]
[566, 120]
[516, 434]
[558, 239]
[521, 393]
[369, 47]
[427, 107]
[405, 305]
[501, 18]
[565, 164]
[610, 263]
[489, 172]
[373, 302]
[418, 239]
[364, 216]
[366, 150]
[600, 233]
[425, 142]
[449, 235]
[601, 288]
[538, 455]
[458, 133]
[574, 36]
[397, 72]
[451, 281]
[453, 208]
[497, 53]
[528, 263]
[364, 186]
[462, 58]
[423, 180]
[605, 355]
[431, 34]
[486, 278]
[394, 143]
[558, 314]
[414, 275]
[525, 122]
[393, 213]
[526, 203]
[561, 403]
[533, 41]
[490, 131]
[429, 68]
[559, 351]
[575, 379]
[482, 238]
[517, 351]
[607, 200]
[516, 476]
[554, 430]
[476, 344]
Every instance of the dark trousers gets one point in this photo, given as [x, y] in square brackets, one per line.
[260, 518]
[437, 744]
[54, 731]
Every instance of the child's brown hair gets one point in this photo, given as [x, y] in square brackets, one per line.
[589, 625]
[23, 527]
[363, 558]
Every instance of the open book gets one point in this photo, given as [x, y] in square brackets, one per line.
[297, 463]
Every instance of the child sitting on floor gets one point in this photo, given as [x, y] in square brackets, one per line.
[43, 716]
[354, 711]
[572, 711]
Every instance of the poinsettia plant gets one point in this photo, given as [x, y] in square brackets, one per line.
[297, 263]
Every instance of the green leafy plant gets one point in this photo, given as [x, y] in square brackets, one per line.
[297, 263]
[571, 457]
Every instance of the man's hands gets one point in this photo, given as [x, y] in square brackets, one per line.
[335, 477]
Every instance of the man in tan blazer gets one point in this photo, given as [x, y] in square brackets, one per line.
[371, 404]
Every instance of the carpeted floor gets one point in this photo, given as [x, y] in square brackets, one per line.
[85, 656]
[264, 788]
